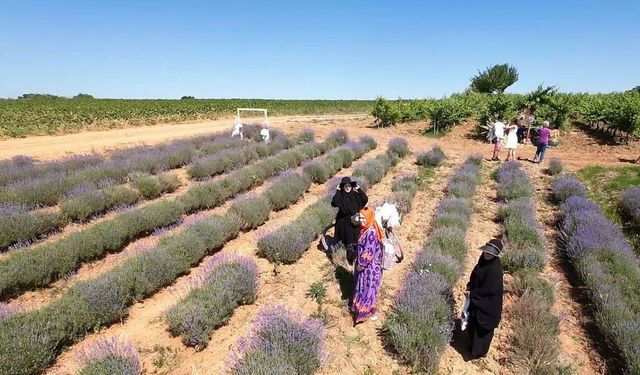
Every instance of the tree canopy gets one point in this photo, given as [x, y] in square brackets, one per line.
[494, 79]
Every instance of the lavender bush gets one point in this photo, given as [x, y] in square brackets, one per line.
[7, 310]
[630, 205]
[404, 190]
[287, 243]
[525, 245]
[513, 182]
[306, 135]
[226, 160]
[317, 171]
[565, 187]
[212, 194]
[555, 166]
[287, 189]
[109, 356]
[369, 141]
[464, 180]
[281, 342]
[18, 225]
[399, 147]
[83, 207]
[431, 158]
[23, 167]
[225, 283]
[421, 323]
[251, 211]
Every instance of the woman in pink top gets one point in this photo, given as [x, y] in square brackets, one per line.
[543, 142]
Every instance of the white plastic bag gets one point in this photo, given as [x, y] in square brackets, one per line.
[388, 254]
[464, 317]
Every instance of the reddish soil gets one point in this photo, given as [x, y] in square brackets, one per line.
[360, 349]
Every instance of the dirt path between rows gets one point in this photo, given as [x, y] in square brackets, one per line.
[482, 228]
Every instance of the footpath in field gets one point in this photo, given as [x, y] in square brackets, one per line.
[482, 228]
[145, 325]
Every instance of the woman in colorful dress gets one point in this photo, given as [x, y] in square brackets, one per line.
[368, 268]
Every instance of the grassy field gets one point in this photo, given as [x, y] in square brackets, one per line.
[20, 118]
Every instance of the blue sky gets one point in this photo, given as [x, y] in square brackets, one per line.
[304, 49]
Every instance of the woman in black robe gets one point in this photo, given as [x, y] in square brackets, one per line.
[485, 288]
[349, 200]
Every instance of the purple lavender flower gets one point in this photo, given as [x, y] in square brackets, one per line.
[630, 204]
[224, 282]
[566, 187]
[398, 146]
[110, 356]
[421, 325]
[280, 339]
[7, 310]
[433, 157]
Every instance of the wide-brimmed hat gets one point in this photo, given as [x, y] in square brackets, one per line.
[347, 180]
[493, 247]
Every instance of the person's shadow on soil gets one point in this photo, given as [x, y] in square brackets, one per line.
[623, 160]
[461, 342]
[346, 282]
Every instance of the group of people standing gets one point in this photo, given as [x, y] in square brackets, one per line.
[501, 132]
[358, 230]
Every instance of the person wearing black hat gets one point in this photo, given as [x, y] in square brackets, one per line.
[485, 290]
[349, 200]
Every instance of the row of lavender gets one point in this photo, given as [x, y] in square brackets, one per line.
[287, 243]
[89, 199]
[229, 281]
[421, 323]
[145, 158]
[30, 268]
[281, 341]
[606, 264]
[20, 227]
[535, 329]
[48, 188]
[31, 340]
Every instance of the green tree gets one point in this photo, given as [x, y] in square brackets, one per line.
[186, 97]
[83, 96]
[385, 113]
[539, 97]
[495, 79]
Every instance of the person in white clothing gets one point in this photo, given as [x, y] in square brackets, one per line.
[498, 136]
[512, 140]
[264, 133]
[237, 128]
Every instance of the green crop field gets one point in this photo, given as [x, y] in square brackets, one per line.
[20, 118]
